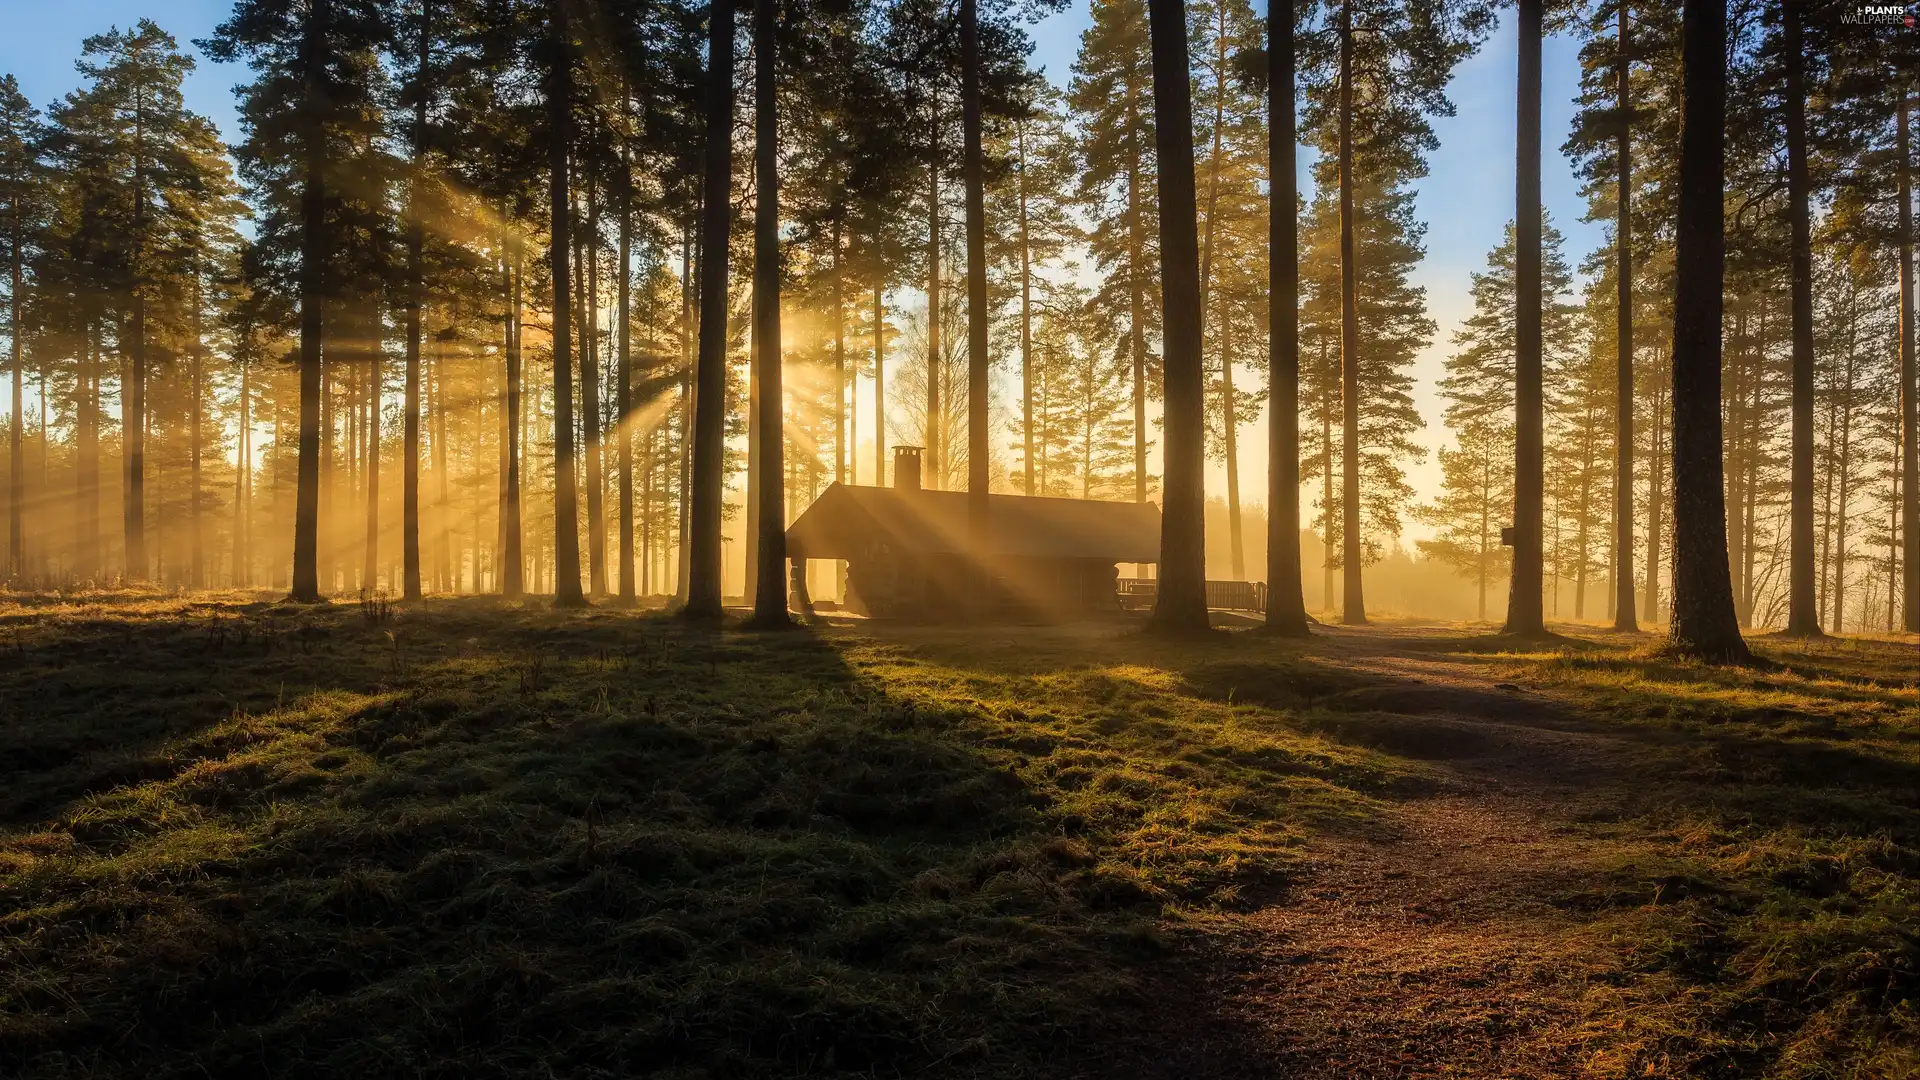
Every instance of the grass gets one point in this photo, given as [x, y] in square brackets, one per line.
[1784, 807]
[469, 839]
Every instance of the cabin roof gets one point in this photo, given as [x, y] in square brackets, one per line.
[846, 519]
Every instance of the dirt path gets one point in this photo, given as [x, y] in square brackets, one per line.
[1457, 946]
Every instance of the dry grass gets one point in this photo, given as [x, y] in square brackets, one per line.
[472, 839]
[243, 838]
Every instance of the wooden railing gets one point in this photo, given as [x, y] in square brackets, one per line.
[1221, 595]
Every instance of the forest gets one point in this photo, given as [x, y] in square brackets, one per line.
[699, 539]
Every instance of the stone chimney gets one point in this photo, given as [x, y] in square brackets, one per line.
[906, 468]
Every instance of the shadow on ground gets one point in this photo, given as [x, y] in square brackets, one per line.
[474, 839]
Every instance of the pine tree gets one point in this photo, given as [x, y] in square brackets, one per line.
[1373, 77]
[1704, 624]
[309, 100]
[1034, 194]
[1233, 254]
[1392, 328]
[1180, 602]
[132, 117]
[1110, 96]
[23, 209]
[1476, 491]
[1286, 612]
[709, 429]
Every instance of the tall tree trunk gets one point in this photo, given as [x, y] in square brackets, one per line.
[370, 574]
[243, 486]
[1230, 420]
[842, 455]
[1582, 539]
[842, 452]
[1526, 616]
[329, 458]
[416, 296]
[1286, 603]
[623, 387]
[1656, 511]
[1354, 611]
[443, 475]
[1803, 613]
[879, 384]
[686, 410]
[1846, 498]
[196, 356]
[87, 455]
[709, 430]
[16, 442]
[1237, 550]
[1180, 605]
[566, 512]
[313, 256]
[1909, 383]
[133, 391]
[1623, 357]
[1026, 315]
[512, 582]
[1136, 299]
[934, 464]
[977, 360]
[770, 593]
[590, 400]
[1704, 624]
[1486, 534]
[1326, 492]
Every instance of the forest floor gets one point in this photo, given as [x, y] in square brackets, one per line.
[471, 839]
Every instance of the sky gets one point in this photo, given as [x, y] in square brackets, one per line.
[1465, 200]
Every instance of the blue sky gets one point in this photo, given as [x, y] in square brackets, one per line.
[1466, 199]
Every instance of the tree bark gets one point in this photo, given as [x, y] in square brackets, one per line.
[313, 256]
[512, 581]
[436, 377]
[1909, 384]
[196, 556]
[1354, 611]
[1704, 624]
[623, 386]
[770, 593]
[1237, 554]
[1803, 612]
[590, 400]
[243, 485]
[1026, 317]
[1656, 511]
[133, 391]
[682, 548]
[1623, 358]
[566, 513]
[932, 472]
[1136, 303]
[1286, 603]
[370, 462]
[1180, 605]
[977, 314]
[1526, 616]
[16, 442]
[709, 430]
[416, 297]
[879, 385]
